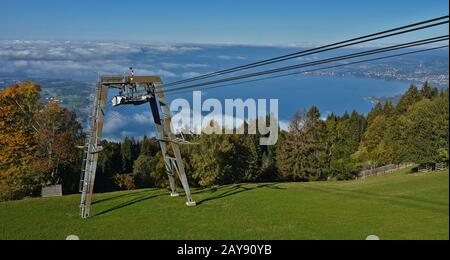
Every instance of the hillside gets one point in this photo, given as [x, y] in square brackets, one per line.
[396, 206]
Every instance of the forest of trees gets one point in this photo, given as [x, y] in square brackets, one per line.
[38, 146]
[414, 130]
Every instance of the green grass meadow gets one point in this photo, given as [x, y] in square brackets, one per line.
[394, 206]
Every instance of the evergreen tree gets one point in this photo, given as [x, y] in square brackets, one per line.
[109, 165]
[302, 153]
[425, 130]
[251, 153]
[376, 111]
[129, 151]
[212, 160]
[148, 146]
[428, 91]
[142, 168]
[408, 100]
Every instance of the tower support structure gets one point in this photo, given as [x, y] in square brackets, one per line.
[134, 90]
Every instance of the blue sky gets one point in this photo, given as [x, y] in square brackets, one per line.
[262, 22]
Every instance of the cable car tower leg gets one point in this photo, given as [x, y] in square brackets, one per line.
[92, 149]
[160, 136]
[176, 164]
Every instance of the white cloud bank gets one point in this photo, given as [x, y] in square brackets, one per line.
[88, 59]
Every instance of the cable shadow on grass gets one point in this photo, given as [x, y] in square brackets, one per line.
[140, 196]
[128, 194]
[234, 190]
[133, 201]
[435, 207]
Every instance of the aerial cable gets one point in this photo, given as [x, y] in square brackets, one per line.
[329, 47]
[314, 70]
[319, 62]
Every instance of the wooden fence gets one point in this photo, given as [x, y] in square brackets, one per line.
[384, 169]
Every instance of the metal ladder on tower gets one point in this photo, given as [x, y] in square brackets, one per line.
[91, 151]
[86, 150]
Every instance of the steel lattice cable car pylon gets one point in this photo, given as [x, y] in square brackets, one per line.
[134, 90]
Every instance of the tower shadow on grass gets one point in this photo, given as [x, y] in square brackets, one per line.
[122, 196]
[234, 190]
[140, 198]
[217, 193]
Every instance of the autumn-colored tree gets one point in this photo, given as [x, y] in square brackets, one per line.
[19, 104]
[58, 135]
[37, 142]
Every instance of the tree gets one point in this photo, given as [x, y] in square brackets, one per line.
[150, 172]
[158, 174]
[268, 164]
[344, 169]
[109, 165]
[376, 111]
[416, 130]
[213, 160]
[148, 146]
[142, 168]
[129, 153]
[250, 159]
[302, 153]
[408, 100]
[317, 156]
[343, 137]
[58, 136]
[290, 152]
[428, 91]
[38, 143]
[425, 130]
[18, 105]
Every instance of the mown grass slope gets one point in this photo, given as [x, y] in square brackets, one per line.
[393, 206]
